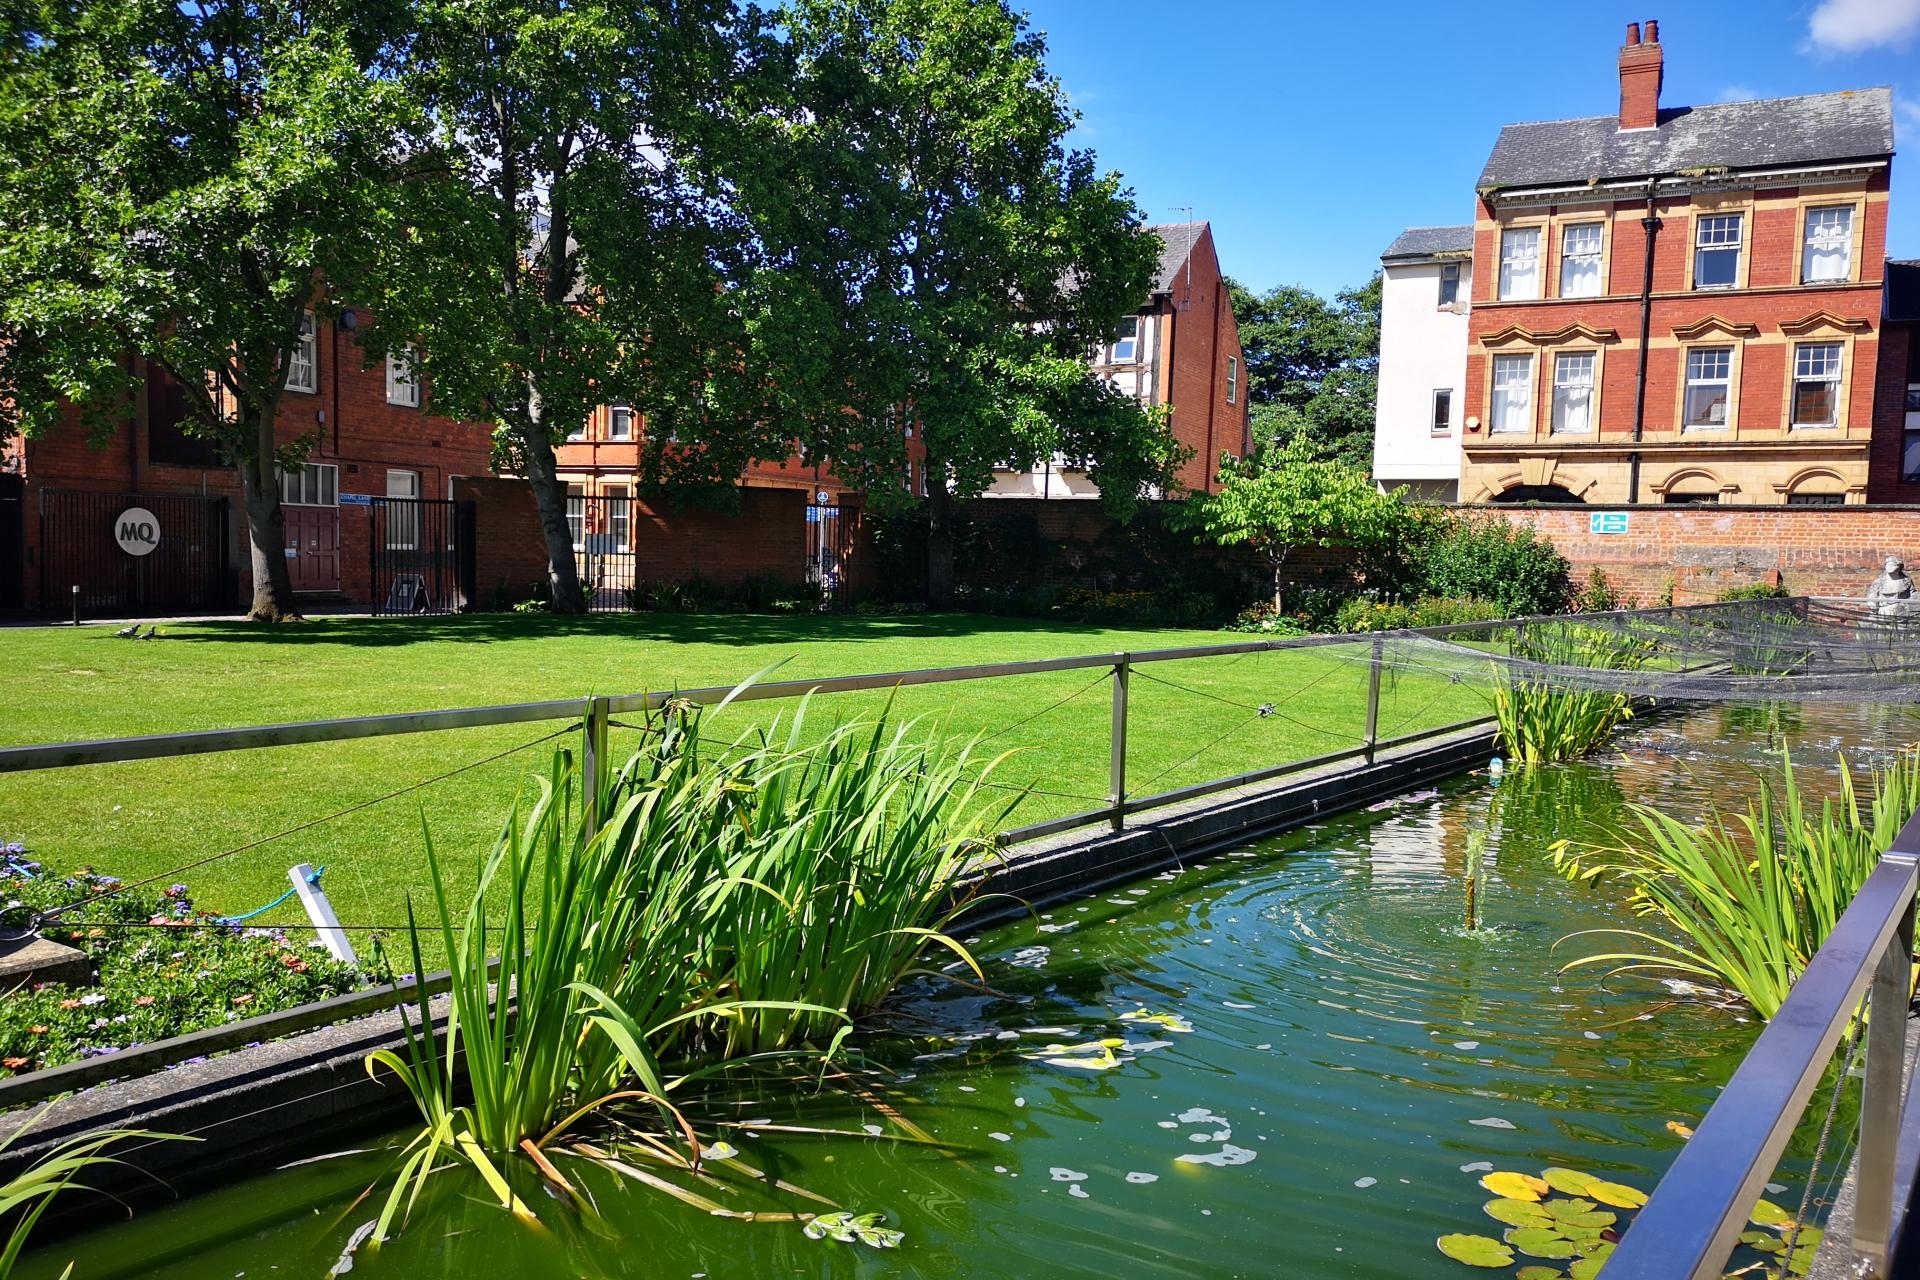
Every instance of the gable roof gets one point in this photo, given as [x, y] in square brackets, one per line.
[1176, 246]
[1853, 124]
[1427, 242]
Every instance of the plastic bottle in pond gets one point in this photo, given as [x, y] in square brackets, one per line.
[1496, 770]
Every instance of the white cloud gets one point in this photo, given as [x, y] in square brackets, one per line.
[1738, 93]
[1906, 120]
[1854, 26]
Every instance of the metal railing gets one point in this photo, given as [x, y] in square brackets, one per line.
[1693, 1220]
[595, 715]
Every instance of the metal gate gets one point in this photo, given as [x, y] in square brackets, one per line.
[421, 555]
[602, 529]
[133, 553]
[13, 542]
[829, 548]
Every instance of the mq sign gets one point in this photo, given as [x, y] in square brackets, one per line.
[137, 531]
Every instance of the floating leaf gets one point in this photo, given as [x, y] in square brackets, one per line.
[848, 1228]
[1171, 1021]
[1575, 1232]
[1541, 1242]
[1617, 1194]
[1537, 1272]
[1515, 1186]
[1475, 1251]
[1579, 1213]
[1094, 1055]
[1764, 1241]
[1768, 1214]
[1588, 1267]
[1568, 1181]
[1674, 1126]
[1518, 1213]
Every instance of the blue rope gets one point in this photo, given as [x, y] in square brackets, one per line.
[312, 878]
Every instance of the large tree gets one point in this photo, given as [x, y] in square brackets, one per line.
[578, 243]
[973, 259]
[175, 178]
[1312, 366]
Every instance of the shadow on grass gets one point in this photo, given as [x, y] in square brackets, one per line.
[715, 628]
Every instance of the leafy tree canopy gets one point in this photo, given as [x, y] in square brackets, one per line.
[1312, 366]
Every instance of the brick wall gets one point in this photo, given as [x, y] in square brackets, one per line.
[1703, 551]
[1203, 336]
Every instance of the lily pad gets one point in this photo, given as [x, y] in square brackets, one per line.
[1617, 1194]
[1515, 1186]
[1475, 1251]
[848, 1228]
[1768, 1214]
[1588, 1267]
[1541, 1242]
[1570, 1182]
[1518, 1213]
[1537, 1272]
[1579, 1213]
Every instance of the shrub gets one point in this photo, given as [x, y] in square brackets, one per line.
[1598, 595]
[1261, 619]
[1542, 719]
[1497, 560]
[1757, 591]
[1362, 615]
[163, 968]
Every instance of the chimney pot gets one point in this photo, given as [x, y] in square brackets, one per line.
[1653, 31]
[1633, 33]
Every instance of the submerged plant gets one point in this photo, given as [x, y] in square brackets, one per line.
[706, 909]
[1542, 718]
[1753, 899]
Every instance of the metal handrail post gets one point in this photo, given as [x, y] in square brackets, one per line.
[1882, 1095]
[1373, 697]
[1117, 756]
[593, 756]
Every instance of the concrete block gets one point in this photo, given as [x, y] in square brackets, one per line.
[32, 959]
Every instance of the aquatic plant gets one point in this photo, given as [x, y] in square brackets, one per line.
[705, 910]
[1753, 899]
[1542, 718]
[27, 1195]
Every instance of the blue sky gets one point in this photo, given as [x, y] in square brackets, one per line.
[1309, 134]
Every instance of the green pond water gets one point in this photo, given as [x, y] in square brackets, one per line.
[1356, 1060]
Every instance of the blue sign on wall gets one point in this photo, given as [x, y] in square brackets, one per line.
[356, 499]
[1607, 522]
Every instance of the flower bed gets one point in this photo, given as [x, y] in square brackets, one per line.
[162, 967]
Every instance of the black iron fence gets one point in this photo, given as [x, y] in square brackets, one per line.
[829, 549]
[126, 554]
[13, 542]
[603, 555]
[420, 553]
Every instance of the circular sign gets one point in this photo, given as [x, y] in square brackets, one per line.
[136, 530]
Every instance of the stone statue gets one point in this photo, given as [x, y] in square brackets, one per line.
[1892, 591]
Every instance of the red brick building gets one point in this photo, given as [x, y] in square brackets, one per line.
[1895, 473]
[1679, 305]
[373, 436]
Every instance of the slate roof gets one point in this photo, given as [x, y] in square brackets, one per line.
[1425, 242]
[1903, 290]
[1176, 246]
[1853, 124]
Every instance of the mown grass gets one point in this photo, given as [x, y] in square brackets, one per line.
[151, 817]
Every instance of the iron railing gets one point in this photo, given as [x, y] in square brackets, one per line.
[420, 555]
[1693, 1220]
[122, 554]
[595, 715]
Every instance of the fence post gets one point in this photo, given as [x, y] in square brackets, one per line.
[1117, 760]
[1880, 1095]
[1373, 697]
[593, 757]
[1686, 637]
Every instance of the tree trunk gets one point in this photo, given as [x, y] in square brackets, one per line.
[550, 500]
[939, 539]
[1278, 559]
[266, 533]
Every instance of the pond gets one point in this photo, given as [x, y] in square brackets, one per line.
[1356, 1059]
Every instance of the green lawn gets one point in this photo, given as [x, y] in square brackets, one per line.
[148, 817]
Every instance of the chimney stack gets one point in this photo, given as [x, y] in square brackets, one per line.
[1640, 75]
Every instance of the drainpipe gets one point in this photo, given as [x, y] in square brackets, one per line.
[1651, 226]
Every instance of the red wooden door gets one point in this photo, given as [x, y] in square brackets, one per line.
[313, 547]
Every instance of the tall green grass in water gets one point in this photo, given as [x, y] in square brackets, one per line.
[722, 904]
[1542, 719]
[1751, 900]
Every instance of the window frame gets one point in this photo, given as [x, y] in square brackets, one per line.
[1592, 387]
[619, 502]
[306, 350]
[403, 534]
[1910, 435]
[1737, 247]
[1131, 340]
[1807, 213]
[1503, 287]
[324, 489]
[576, 514]
[1727, 384]
[1599, 256]
[1233, 379]
[1448, 295]
[1795, 378]
[1528, 383]
[1440, 412]
[614, 412]
[403, 379]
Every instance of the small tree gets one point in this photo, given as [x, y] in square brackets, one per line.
[1283, 497]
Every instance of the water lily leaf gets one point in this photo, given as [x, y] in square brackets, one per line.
[1475, 1251]
[1768, 1214]
[1764, 1241]
[1537, 1272]
[1573, 1231]
[1515, 1186]
[847, 1229]
[1570, 1182]
[1617, 1194]
[1518, 1213]
[1541, 1242]
[1579, 1213]
[1588, 1267]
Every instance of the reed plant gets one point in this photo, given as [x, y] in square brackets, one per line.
[710, 907]
[1542, 716]
[29, 1193]
[1750, 900]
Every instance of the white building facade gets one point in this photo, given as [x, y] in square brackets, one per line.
[1426, 284]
